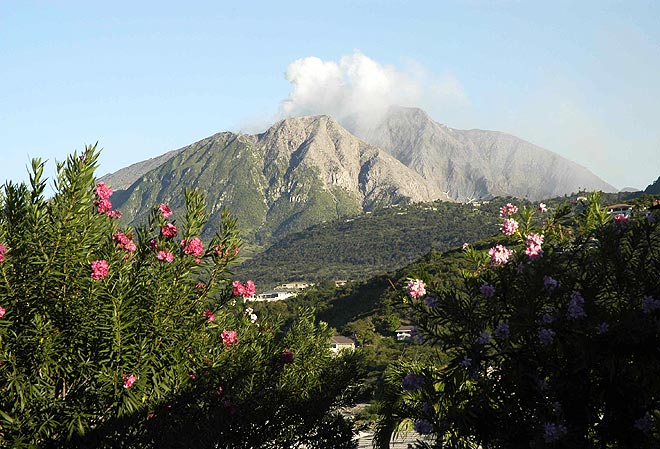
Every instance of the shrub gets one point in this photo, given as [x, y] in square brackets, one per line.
[556, 346]
[118, 337]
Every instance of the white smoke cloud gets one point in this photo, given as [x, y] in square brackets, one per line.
[358, 88]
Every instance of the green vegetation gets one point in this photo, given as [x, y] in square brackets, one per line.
[370, 244]
[555, 347]
[134, 338]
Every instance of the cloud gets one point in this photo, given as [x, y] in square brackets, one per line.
[359, 88]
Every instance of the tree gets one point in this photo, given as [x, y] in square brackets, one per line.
[119, 337]
[552, 341]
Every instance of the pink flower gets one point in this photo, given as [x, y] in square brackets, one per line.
[219, 391]
[487, 290]
[509, 209]
[116, 214]
[99, 269]
[193, 247]
[621, 220]
[103, 192]
[2, 252]
[246, 291]
[165, 210]
[416, 288]
[124, 241]
[534, 250]
[168, 230]
[542, 208]
[103, 206]
[238, 288]
[208, 314]
[229, 338]
[2, 312]
[200, 285]
[165, 255]
[128, 380]
[509, 226]
[250, 289]
[499, 255]
[286, 357]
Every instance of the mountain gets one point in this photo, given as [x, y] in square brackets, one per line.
[654, 188]
[474, 163]
[300, 172]
[123, 178]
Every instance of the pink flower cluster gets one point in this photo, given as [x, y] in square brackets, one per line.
[168, 230]
[286, 357]
[621, 220]
[99, 269]
[499, 255]
[416, 288]
[128, 380]
[102, 203]
[165, 256]
[2, 252]
[246, 290]
[2, 312]
[509, 209]
[229, 338]
[124, 241]
[208, 314]
[193, 247]
[534, 250]
[165, 210]
[509, 226]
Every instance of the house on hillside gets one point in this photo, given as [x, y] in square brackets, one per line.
[273, 295]
[620, 209]
[340, 343]
[293, 286]
[404, 333]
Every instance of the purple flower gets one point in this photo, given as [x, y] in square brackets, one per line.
[487, 290]
[644, 424]
[649, 304]
[546, 319]
[603, 328]
[575, 309]
[546, 336]
[553, 432]
[430, 301]
[484, 338]
[427, 408]
[466, 362]
[413, 382]
[422, 426]
[502, 331]
[550, 283]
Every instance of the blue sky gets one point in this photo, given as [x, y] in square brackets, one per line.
[579, 78]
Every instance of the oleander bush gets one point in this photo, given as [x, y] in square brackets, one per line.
[553, 339]
[137, 338]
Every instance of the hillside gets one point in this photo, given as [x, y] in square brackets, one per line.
[653, 189]
[377, 242]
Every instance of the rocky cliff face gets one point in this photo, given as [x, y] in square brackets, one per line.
[475, 163]
[298, 173]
